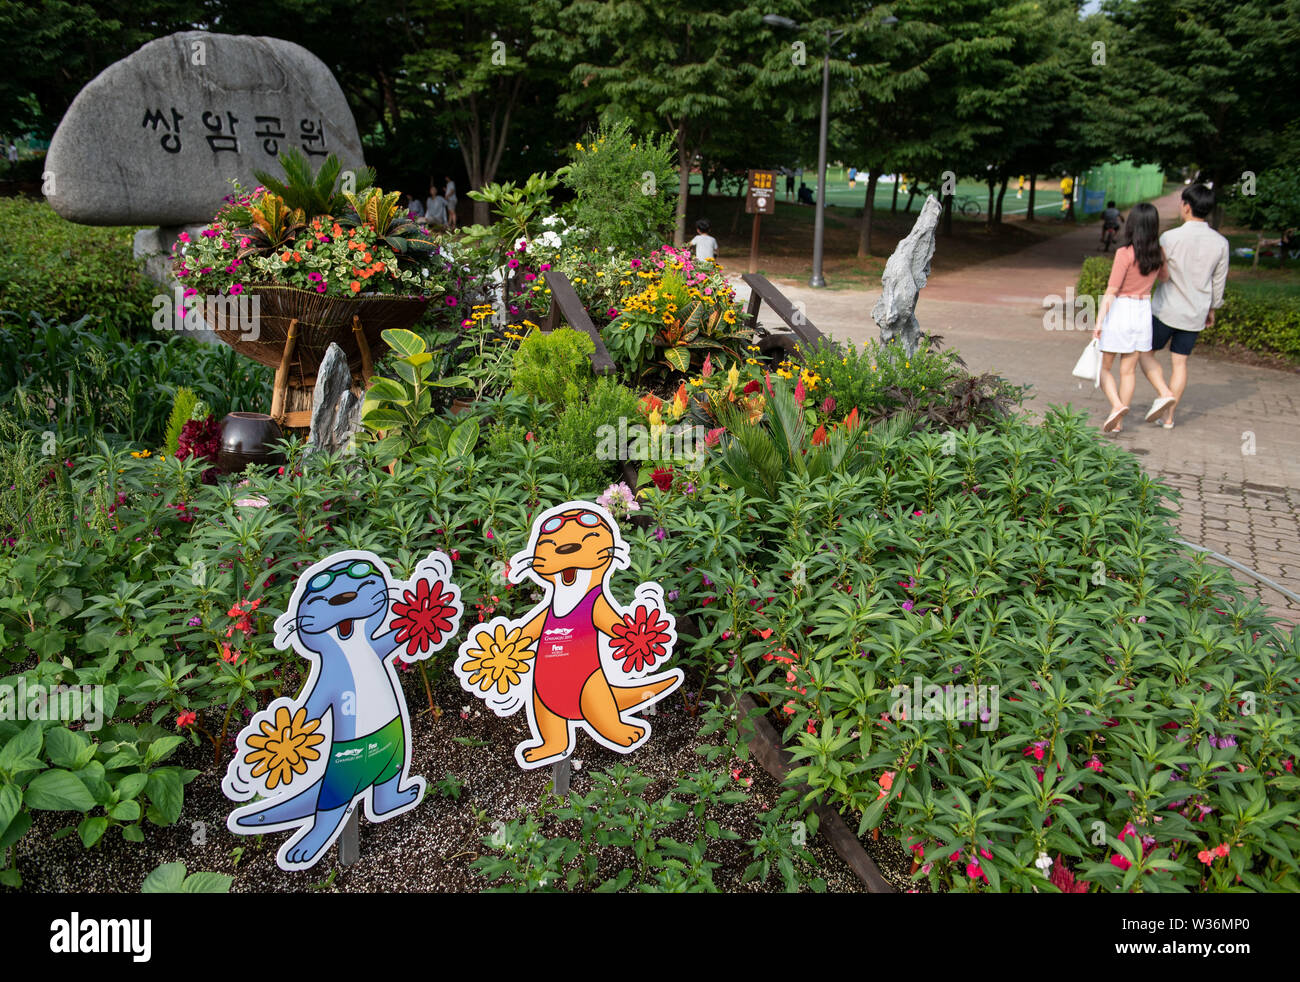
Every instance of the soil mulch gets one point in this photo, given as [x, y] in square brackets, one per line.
[431, 847]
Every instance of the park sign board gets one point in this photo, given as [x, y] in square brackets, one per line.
[156, 138]
[761, 197]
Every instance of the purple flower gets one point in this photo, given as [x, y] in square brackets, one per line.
[908, 605]
[673, 594]
[195, 621]
[659, 533]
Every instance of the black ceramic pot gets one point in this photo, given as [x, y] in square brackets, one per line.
[247, 438]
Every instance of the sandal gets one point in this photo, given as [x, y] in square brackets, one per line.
[1159, 406]
[1112, 421]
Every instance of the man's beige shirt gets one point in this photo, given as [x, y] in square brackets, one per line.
[1197, 259]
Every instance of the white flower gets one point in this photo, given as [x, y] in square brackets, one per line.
[1043, 862]
[550, 220]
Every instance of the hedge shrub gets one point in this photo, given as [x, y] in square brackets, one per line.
[64, 271]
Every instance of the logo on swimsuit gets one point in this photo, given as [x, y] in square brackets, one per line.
[561, 633]
[347, 753]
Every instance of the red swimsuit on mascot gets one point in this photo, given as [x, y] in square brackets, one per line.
[567, 655]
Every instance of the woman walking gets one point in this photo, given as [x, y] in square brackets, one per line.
[1124, 321]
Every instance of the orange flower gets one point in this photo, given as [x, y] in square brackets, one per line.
[886, 783]
[680, 399]
[819, 436]
[368, 258]
[297, 257]
[852, 420]
[284, 257]
[355, 286]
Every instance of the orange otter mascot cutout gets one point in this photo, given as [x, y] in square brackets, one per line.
[579, 658]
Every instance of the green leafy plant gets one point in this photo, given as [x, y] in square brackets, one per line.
[173, 878]
[66, 272]
[318, 193]
[625, 187]
[519, 211]
[398, 412]
[183, 406]
[545, 363]
[617, 816]
[575, 440]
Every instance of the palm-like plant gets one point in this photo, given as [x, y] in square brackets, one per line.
[271, 225]
[313, 194]
[392, 226]
[760, 457]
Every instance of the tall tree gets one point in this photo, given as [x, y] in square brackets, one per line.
[1201, 82]
[54, 47]
[662, 61]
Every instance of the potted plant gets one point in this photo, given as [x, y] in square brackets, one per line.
[286, 269]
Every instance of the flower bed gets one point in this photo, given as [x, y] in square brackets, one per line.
[1120, 664]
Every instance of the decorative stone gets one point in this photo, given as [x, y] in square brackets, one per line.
[906, 272]
[335, 408]
[156, 138]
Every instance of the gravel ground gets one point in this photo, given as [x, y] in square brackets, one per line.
[431, 847]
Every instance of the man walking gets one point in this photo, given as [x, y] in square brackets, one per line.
[1190, 290]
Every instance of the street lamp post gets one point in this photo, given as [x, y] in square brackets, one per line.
[819, 222]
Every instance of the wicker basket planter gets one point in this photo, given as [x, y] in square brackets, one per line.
[296, 327]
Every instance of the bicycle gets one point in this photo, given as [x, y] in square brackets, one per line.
[1108, 234]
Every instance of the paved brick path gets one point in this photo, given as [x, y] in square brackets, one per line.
[1243, 504]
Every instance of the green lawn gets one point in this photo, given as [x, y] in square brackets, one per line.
[974, 194]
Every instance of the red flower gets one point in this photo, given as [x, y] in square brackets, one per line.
[712, 437]
[1063, 879]
[641, 639]
[819, 436]
[663, 478]
[186, 719]
[423, 617]
[751, 386]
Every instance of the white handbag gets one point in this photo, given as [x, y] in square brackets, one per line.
[1089, 364]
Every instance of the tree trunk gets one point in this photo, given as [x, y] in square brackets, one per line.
[947, 214]
[868, 210]
[988, 222]
[683, 185]
[1002, 193]
[893, 205]
[1069, 211]
[911, 195]
[1029, 216]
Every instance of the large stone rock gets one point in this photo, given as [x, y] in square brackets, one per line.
[156, 138]
[906, 272]
[335, 408]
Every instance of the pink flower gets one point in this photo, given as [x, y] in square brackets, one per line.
[1094, 764]
[1120, 861]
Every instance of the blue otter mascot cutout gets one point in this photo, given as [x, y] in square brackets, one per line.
[346, 737]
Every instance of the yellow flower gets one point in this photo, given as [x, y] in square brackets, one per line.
[500, 659]
[284, 747]
[139, 454]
